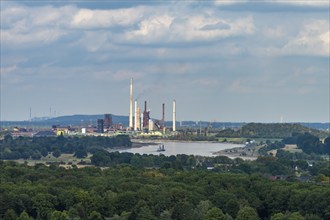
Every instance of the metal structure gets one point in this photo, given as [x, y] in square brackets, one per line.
[131, 104]
[138, 118]
[174, 115]
[135, 115]
[163, 118]
[146, 116]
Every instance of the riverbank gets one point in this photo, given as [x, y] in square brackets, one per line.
[246, 153]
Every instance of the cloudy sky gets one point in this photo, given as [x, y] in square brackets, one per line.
[232, 60]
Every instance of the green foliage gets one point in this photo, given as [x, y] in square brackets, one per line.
[127, 192]
[247, 213]
[95, 216]
[214, 214]
[24, 216]
[36, 147]
[262, 130]
[10, 214]
[57, 153]
[277, 130]
[58, 215]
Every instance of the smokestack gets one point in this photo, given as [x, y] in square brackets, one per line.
[138, 118]
[131, 103]
[174, 114]
[135, 115]
[163, 118]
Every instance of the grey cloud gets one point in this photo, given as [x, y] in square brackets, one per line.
[220, 25]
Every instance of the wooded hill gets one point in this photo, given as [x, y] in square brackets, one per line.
[275, 130]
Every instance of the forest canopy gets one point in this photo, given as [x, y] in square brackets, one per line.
[125, 192]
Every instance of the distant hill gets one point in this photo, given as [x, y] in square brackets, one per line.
[69, 120]
[85, 119]
[266, 130]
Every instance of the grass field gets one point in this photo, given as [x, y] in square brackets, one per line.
[64, 158]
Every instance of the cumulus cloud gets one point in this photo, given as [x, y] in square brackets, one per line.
[189, 28]
[313, 39]
[322, 3]
[88, 18]
[314, 3]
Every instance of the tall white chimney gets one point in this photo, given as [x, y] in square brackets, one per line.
[174, 115]
[135, 115]
[131, 103]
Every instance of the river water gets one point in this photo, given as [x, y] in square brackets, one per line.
[189, 148]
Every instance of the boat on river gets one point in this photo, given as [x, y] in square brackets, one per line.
[161, 148]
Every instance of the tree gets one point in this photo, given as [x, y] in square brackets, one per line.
[81, 153]
[203, 207]
[232, 207]
[24, 216]
[57, 153]
[214, 214]
[145, 213]
[247, 213]
[10, 215]
[165, 215]
[58, 215]
[183, 210]
[95, 216]
[101, 158]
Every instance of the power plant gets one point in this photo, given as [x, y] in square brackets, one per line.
[139, 122]
[142, 121]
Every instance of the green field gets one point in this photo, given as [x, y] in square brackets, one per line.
[64, 158]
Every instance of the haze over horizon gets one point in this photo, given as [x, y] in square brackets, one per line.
[239, 61]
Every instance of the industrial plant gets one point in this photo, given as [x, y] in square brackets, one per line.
[140, 123]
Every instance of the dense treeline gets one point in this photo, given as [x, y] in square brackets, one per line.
[125, 192]
[309, 144]
[267, 166]
[276, 130]
[36, 147]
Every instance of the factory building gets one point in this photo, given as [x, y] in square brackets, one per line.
[107, 121]
[100, 126]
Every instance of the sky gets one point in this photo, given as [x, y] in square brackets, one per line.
[233, 60]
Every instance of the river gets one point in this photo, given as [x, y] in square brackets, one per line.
[189, 148]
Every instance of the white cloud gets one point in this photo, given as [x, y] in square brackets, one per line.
[303, 2]
[151, 29]
[229, 2]
[313, 39]
[314, 3]
[38, 37]
[171, 29]
[88, 18]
